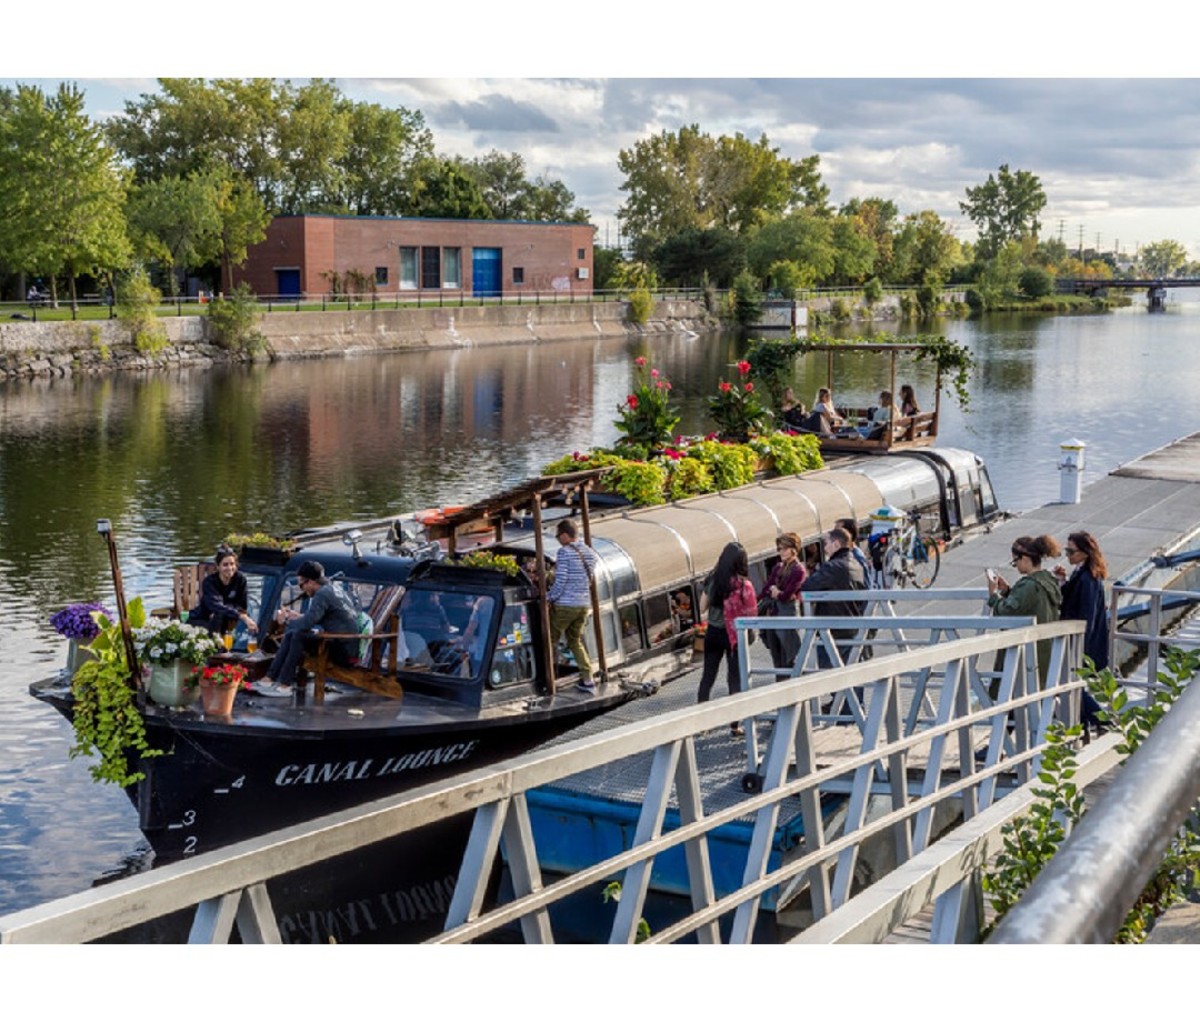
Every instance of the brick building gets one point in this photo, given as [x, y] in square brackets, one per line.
[301, 255]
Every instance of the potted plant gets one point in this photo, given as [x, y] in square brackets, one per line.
[170, 649]
[261, 547]
[105, 715]
[219, 686]
[76, 624]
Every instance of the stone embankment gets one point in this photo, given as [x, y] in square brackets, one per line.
[62, 348]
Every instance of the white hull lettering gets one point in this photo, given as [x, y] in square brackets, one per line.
[329, 773]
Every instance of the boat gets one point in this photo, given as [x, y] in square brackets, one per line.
[337, 744]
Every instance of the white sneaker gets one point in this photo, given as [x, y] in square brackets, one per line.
[271, 689]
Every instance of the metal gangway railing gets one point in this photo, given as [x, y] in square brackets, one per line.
[948, 754]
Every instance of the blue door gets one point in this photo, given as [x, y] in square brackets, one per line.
[287, 283]
[485, 272]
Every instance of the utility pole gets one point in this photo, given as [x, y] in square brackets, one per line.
[1081, 242]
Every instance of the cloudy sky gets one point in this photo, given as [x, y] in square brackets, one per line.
[1118, 157]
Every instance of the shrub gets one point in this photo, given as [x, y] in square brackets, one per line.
[137, 301]
[790, 453]
[839, 310]
[746, 298]
[872, 291]
[232, 321]
[641, 304]
[1035, 282]
[689, 477]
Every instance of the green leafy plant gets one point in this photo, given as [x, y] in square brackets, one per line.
[641, 304]
[1030, 841]
[790, 453]
[261, 539]
[232, 320]
[729, 465]
[647, 418]
[137, 300]
[736, 407]
[872, 291]
[490, 560]
[745, 298]
[612, 892]
[105, 714]
[689, 477]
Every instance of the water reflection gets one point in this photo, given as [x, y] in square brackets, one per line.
[179, 459]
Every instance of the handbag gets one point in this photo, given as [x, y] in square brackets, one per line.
[767, 607]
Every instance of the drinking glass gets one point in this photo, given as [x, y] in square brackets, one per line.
[227, 638]
[252, 645]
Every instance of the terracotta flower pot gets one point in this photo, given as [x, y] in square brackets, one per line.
[217, 700]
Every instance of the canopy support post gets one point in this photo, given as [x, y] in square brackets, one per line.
[597, 628]
[535, 504]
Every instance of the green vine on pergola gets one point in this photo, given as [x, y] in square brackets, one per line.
[772, 361]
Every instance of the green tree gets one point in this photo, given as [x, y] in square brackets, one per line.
[853, 251]
[547, 199]
[684, 258]
[877, 219]
[313, 134]
[1035, 282]
[604, 266]
[1005, 208]
[62, 194]
[687, 179]
[176, 222]
[1163, 258]
[444, 188]
[803, 237]
[244, 220]
[926, 249]
[385, 146]
[746, 296]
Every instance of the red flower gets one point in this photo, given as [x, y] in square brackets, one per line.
[639, 361]
[673, 454]
[632, 401]
[724, 387]
[749, 388]
[654, 373]
[743, 367]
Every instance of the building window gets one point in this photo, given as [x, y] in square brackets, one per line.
[431, 267]
[408, 268]
[452, 267]
[518, 274]
[380, 274]
[580, 253]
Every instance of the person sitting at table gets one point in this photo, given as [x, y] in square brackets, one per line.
[880, 418]
[224, 600]
[824, 406]
[328, 610]
[791, 411]
[908, 402]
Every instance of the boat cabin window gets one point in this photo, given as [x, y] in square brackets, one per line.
[513, 659]
[445, 633]
[631, 628]
[660, 618]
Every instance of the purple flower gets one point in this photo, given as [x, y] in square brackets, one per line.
[75, 621]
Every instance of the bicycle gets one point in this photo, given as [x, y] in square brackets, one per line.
[903, 555]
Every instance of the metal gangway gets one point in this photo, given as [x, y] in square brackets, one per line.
[947, 712]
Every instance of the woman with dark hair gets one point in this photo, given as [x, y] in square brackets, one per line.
[223, 596]
[728, 594]
[779, 597]
[1035, 594]
[1083, 600]
[908, 402]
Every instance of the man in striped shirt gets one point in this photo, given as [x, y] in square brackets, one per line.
[570, 597]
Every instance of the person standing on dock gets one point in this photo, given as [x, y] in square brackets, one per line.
[570, 598]
[1083, 600]
[1035, 594]
[778, 599]
[728, 594]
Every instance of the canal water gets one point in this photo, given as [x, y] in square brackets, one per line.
[178, 460]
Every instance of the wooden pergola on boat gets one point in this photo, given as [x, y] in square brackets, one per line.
[908, 431]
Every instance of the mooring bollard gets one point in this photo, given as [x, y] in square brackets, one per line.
[1070, 464]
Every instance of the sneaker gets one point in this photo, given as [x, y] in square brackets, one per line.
[271, 689]
[587, 686]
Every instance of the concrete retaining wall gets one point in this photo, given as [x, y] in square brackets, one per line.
[60, 348]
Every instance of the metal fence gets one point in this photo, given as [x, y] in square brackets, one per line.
[968, 746]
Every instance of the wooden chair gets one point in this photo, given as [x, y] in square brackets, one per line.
[185, 589]
[370, 673]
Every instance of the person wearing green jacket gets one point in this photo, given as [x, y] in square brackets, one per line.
[1035, 594]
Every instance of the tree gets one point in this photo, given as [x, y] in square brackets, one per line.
[688, 179]
[385, 146]
[1163, 258]
[803, 237]
[685, 257]
[1005, 208]
[244, 219]
[876, 219]
[62, 194]
[547, 199]
[313, 133]
[1035, 282]
[177, 222]
[445, 188]
[501, 180]
[926, 249]
[853, 251]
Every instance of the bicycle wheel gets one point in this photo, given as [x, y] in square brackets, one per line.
[894, 574]
[925, 561]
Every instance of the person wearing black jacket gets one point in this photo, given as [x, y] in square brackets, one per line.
[223, 596]
[841, 571]
[1083, 600]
